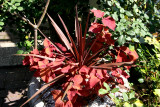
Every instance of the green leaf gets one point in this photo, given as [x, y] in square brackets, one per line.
[157, 92]
[18, 0]
[141, 80]
[14, 7]
[115, 90]
[121, 40]
[142, 70]
[135, 9]
[142, 33]
[20, 52]
[131, 1]
[117, 4]
[131, 47]
[136, 40]
[146, 16]
[17, 4]
[1, 23]
[128, 13]
[128, 38]
[125, 96]
[28, 43]
[122, 10]
[109, 3]
[132, 95]
[137, 30]
[126, 104]
[116, 101]
[0, 28]
[112, 95]
[130, 32]
[122, 15]
[123, 20]
[107, 86]
[20, 8]
[115, 16]
[139, 103]
[12, 1]
[102, 91]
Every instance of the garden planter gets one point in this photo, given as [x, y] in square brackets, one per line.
[36, 83]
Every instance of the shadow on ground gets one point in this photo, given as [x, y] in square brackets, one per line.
[13, 85]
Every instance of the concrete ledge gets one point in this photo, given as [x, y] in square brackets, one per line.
[4, 44]
[7, 58]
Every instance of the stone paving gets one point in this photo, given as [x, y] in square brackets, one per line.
[13, 85]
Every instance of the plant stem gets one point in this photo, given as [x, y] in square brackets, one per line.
[68, 87]
[44, 13]
[35, 38]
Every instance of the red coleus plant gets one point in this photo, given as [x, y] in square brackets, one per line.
[79, 64]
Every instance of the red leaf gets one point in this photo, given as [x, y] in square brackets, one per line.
[55, 63]
[93, 81]
[99, 74]
[57, 95]
[120, 80]
[77, 80]
[133, 56]
[115, 73]
[121, 57]
[48, 51]
[84, 93]
[122, 72]
[65, 69]
[36, 74]
[97, 13]
[109, 22]
[84, 70]
[33, 67]
[45, 61]
[26, 60]
[97, 46]
[72, 95]
[108, 39]
[41, 64]
[36, 59]
[125, 49]
[60, 59]
[31, 60]
[35, 51]
[96, 28]
[68, 104]
[46, 43]
[61, 47]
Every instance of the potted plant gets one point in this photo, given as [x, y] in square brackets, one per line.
[80, 67]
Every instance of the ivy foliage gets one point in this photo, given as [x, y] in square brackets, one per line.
[135, 19]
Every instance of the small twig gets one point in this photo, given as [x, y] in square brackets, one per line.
[24, 19]
[68, 87]
[39, 56]
[35, 38]
[44, 13]
[42, 94]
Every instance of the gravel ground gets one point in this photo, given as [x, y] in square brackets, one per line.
[13, 85]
